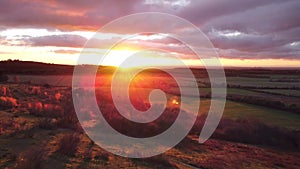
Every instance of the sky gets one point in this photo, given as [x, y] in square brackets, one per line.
[251, 33]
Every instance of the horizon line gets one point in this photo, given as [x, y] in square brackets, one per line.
[193, 66]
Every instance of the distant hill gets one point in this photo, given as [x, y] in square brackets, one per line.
[38, 68]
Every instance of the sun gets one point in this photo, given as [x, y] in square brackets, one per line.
[116, 57]
[139, 58]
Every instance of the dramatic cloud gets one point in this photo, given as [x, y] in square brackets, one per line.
[75, 41]
[203, 11]
[58, 40]
[238, 29]
[250, 29]
[271, 18]
[77, 14]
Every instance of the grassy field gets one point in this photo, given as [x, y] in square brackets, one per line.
[285, 92]
[235, 110]
[230, 91]
[257, 82]
[269, 116]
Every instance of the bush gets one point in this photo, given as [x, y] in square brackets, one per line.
[5, 91]
[68, 144]
[33, 158]
[35, 108]
[69, 118]
[47, 123]
[7, 102]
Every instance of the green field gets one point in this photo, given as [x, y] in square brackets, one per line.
[269, 116]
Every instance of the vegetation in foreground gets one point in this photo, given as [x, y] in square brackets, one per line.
[45, 121]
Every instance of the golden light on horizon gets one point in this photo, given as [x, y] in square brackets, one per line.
[116, 57]
[141, 58]
[259, 62]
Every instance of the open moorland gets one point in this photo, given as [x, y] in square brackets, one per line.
[260, 127]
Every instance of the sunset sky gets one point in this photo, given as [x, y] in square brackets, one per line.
[252, 33]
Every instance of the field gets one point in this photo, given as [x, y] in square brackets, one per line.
[283, 92]
[260, 127]
[269, 116]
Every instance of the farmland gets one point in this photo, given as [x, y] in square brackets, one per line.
[283, 92]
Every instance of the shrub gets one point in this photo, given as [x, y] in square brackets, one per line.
[5, 91]
[68, 144]
[52, 110]
[33, 158]
[69, 118]
[36, 90]
[35, 108]
[47, 123]
[7, 102]
[58, 96]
